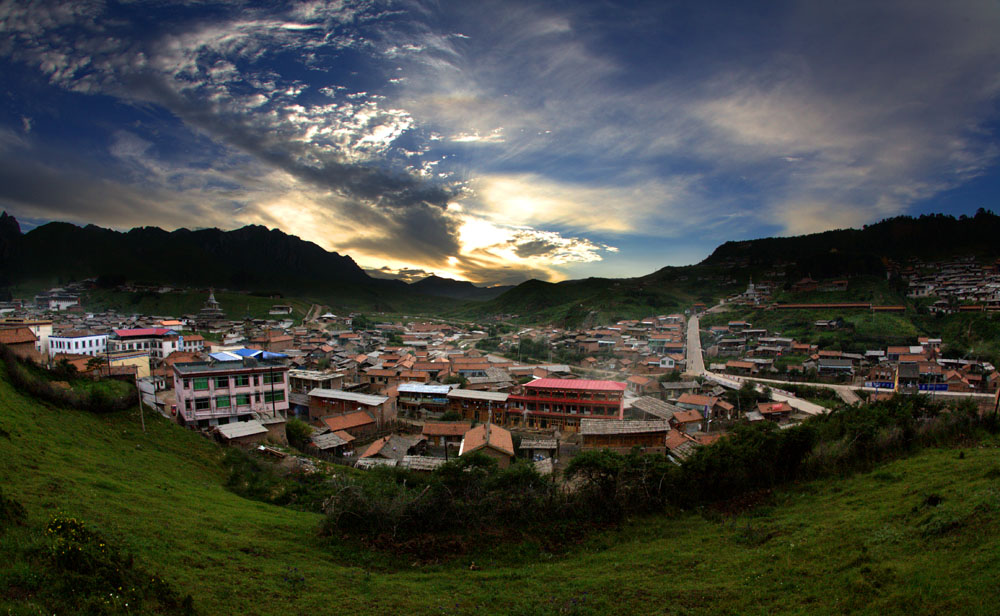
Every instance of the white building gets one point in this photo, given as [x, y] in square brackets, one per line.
[78, 343]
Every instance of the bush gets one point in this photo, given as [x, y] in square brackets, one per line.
[298, 432]
[32, 380]
[100, 578]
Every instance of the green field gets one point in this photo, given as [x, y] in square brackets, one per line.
[916, 536]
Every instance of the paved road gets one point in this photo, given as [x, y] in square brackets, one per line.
[846, 392]
[696, 366]
[695, 361]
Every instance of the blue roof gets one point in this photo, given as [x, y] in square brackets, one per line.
[238, 354]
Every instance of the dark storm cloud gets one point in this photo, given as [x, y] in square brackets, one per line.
[535, 248]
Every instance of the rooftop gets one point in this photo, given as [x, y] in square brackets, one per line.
[202, 367]
[612, 426]
[577, 384]
[468, 394]
[241, 428]
[348, 396]
[418, 388]
[350, 420]
[144, 332]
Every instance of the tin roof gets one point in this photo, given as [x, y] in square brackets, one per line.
[418, 388]
[348, 396]
[241, 428]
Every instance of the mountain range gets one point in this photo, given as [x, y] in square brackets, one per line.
[251, 258]
[254, 258]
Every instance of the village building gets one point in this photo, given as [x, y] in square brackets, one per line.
[332, 443]
[647, 407]
[301, 382]
[420, 400]
[623, 436]
[243, 433]
[22, 342]
[327, 402]
[394, 447]
[218, 392]
[535, 448]
[491, 440]
[479, 405]
[78, 342]
[444, 434]
[358, 424]
[41, 328]
[561, 403]
[688, 422]
[774, 411]
[157, 342]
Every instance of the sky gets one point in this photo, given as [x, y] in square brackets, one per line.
[499, 141]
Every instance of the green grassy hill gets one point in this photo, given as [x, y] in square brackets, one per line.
[576, 303]
[917, 536]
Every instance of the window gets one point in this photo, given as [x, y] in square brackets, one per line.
[222, 402]
[241, 380]
[278, 396]
[273, 377]
[222, 382]
[202, 404]
[242, 399]
[201, 384]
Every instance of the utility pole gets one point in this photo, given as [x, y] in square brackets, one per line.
[142, 418]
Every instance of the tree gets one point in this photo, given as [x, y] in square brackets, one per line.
[64, 371]
[95, 363]
[298, 432]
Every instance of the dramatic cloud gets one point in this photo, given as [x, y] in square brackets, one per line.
[496, 141]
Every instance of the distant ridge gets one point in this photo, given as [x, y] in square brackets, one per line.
[456, 289]
[254, 258]
[859, 251]
[249, 258]
[846, 252]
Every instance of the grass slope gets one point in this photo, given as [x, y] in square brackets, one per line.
[867, 544]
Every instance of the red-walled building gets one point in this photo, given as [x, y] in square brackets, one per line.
[562, 403]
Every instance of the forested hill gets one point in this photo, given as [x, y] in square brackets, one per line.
[864, 251]
[251, 257]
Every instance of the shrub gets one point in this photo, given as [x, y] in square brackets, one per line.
[298, 432]
[100, 578]
[30, 380]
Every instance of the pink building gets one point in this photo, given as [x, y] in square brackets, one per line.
[218, 392]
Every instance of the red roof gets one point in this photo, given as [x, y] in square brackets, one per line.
[17, 335]
[687, 416]
[146, 331]
[348, 421]
[577, 384]
[697, 400]
[445, 429]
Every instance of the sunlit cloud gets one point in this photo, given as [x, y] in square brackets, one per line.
[497, 141]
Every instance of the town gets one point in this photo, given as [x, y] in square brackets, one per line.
[414, 392]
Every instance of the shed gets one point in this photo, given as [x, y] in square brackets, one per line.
[242, 432]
